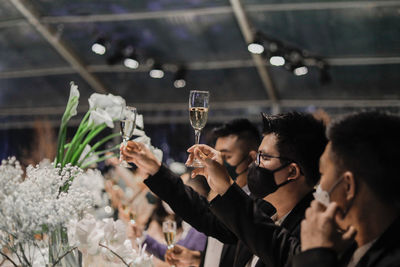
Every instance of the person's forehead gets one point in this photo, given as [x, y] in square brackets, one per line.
[268, 144]
[226, 143]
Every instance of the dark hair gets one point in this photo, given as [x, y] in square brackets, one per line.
[243, 128]
[301, 138]
[160, 214]
[367, 144]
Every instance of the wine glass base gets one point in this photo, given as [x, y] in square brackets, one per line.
[125, 164]
[195, 164]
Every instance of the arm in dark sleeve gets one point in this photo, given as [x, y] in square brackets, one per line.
[192, 207]
[273, 244]
[317, 257]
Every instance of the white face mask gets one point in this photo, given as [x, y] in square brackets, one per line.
[323, 196]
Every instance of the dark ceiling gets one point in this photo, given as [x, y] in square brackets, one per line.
[360, 40]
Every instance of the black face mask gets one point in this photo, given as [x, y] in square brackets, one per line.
[261, 181]
[232, 169]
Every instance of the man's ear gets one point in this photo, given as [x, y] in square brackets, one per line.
[253, 155]
[350, 185]
[294, 171]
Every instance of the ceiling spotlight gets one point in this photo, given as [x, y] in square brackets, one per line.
[179, 79]
[300, 71]
[277, 61]
[99, 47]
[255, 47]
[156, 72]
[131, 62]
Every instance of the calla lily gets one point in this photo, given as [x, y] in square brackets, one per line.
[99, 116]
[139, 121]
[113, 105]
[73, 94]
[91, 157]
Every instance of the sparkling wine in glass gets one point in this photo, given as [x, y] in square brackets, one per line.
[198, 114]
[169, 230]
[128, 125]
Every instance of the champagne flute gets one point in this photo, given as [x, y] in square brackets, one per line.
[169, 230]
[128, 125]
[198, 114]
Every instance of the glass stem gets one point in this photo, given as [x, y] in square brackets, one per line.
[197, 136]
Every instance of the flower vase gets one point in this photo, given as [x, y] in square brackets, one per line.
[61, 254]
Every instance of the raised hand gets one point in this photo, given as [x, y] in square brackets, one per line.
[182, 257]
[216, 174]
[319, 228]
[207, 150]
[139, 154]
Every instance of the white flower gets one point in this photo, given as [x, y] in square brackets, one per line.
[147, 141]
[139, 121]
[113, 105]
[92, 157]
[99, 116]
[73, 93]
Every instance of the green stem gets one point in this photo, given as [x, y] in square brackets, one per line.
[85, 118]
[102, 141]
[89, 138]
[75, 143]
[61, 140]
[98, 160]
[63, 131]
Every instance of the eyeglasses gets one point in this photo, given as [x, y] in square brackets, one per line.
[266, 156]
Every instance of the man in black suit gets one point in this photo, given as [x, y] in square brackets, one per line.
[360, 187]
[284, 175]
[237, 141]
[291, 148]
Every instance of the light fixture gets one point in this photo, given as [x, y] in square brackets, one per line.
[131, 62]
[179, 79]
[300, 71]
[99, 47]
[256, 47]
[156, 72]
[277, 60]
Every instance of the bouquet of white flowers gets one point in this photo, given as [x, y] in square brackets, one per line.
[33, 208]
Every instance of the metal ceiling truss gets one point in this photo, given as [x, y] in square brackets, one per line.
[52, 38]
[222, 10]
[209, 65]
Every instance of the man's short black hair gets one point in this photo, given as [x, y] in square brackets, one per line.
[300, 138]
[368, 145]
[243, 128]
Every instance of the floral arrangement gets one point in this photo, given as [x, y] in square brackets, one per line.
[104, 243]
[41, 212]
[103, 111]
[33, 208]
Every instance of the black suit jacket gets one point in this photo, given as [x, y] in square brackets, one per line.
[195, 210]
[275, 245]
[385, 252]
